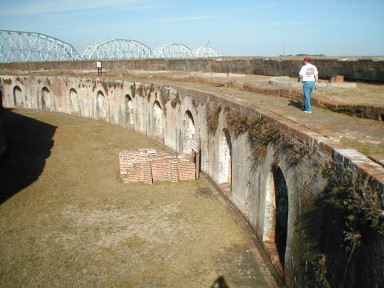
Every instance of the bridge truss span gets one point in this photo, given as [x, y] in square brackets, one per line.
[117, 49]
[17, 46]
[173, 51]
[204, 51]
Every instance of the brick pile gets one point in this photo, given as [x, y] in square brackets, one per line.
[148, 165]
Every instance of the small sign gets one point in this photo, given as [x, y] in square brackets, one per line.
[99, 68]
[195, 144]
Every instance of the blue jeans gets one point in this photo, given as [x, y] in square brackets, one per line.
[307, 88]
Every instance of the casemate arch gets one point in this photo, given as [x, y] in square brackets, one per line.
[46, 99]
[225, 161]
[157, 121]
[18, 96]
[129, 110]
[74, 100]
[189, 132]
[101, 106]
[275, 226]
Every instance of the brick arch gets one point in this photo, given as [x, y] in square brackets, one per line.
[189, 132]
[157, 121]
[46, 99]
[74, 101]
[18, 98]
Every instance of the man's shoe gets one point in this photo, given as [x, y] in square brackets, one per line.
[308, 111]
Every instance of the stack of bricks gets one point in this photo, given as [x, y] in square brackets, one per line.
[146, 165]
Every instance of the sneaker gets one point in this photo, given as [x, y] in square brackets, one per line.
[307, 111]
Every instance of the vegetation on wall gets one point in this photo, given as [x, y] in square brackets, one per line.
[149, 89]
[195, 104]
[261, 133]
[133, 89]
[176, 101]
[358, 197]
[213, 114]
[319, 271]
[237, 122]
[19, 79]
[7, 81]
[140, 90]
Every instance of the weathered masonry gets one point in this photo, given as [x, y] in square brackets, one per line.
[148, 166]
[303, 194]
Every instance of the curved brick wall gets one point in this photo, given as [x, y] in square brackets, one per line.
[228, 157]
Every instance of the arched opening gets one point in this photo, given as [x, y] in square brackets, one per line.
[281, 227]
[101, 106]
[189, 132]
[157, 124]
[129, 110]
[18, 97]
[275, 222]
[46, 99]
[225, 162]
[74, 100]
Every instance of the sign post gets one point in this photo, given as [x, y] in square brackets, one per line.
[99, 68]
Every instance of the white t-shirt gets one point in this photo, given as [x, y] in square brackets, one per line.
[308, 72]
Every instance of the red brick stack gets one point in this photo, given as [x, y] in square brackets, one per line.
[146, 165]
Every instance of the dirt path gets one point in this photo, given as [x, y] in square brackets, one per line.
[67, 220]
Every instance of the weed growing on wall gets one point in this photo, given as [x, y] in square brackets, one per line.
[319, 270]
[164, 97]
[7, 81]
[237, 122]
[105, 86]
[140, 90]
[19, 80]
[149, 90]
[296, 150]
[195, 104]
[261, 133]
[213, 115]
[176, 101]
[359, 198]
[133, 89]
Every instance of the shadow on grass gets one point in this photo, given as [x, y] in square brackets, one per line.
[29, 144]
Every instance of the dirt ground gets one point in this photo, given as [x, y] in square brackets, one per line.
[67, 220]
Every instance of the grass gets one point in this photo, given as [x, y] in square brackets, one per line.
[363, 94]
[67, 220]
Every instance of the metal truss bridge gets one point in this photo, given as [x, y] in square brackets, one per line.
[16, 46]
[29, 46]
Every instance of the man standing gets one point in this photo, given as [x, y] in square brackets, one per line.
[308, 75]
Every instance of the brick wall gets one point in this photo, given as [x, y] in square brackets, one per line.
[148, 165]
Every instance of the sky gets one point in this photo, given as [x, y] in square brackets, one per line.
[232, 28]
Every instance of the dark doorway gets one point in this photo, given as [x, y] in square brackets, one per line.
[281, 214]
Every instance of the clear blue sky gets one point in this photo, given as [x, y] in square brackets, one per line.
[233, 28]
